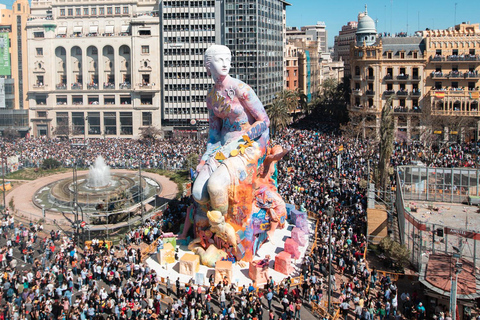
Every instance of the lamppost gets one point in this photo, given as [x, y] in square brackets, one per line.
[329, 213]
[140, 193]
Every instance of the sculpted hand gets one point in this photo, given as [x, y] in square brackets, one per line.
[200, 165]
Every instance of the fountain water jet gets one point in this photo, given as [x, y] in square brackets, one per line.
[99, 174]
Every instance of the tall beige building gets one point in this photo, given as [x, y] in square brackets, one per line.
[14, 73]
[387, 67]
[453, 78]
[94, 67]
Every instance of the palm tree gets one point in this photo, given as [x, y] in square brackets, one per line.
[279, 116]
[302, 99]
[289, 98]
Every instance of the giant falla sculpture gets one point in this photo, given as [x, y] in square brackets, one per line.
[237, 206]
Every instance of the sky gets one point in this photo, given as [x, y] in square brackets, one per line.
[393, 15]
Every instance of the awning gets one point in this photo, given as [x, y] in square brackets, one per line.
[93, 29]
[77, 29]
[125, 27]
[62, 30]
[109, 29]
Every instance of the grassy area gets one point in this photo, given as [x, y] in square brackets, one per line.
[180, 177]
[34, 173]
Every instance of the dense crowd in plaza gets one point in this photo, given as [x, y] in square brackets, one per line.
[60, 281]
[118, 153]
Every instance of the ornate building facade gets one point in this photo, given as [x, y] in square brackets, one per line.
[94, 68]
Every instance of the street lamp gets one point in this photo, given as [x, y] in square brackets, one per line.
[329, 213]
[3, 178]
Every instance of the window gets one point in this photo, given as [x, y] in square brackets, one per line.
[93, 11]
[117, 10]
[144, 32]
[38, 34]
[125, 10]
[146, 118]
[109, 10]
[85, 11]
[19, 7]
[78, 11]
[39, 51]
[62, 12]
[102, 11]
[145, 49]
[402, 55]
[70, 12]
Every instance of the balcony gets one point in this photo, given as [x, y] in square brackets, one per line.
[416, 78]
[92, 86]
[388, 77]
[456, 58]
[472, 75]
[370, 78]
[125, 85]
[77, 86]
[416, 93]
[455, 74]
[39, 86]
[109, 85]
[370, 92]
[356, 92]
[388, 92]
[402, 93]
[403, 77]
[437, 75]
[455, 93]
[466, 58]
[61, 86]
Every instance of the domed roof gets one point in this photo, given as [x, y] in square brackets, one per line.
[366, 25]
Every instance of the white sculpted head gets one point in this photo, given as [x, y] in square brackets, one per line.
[217, 60]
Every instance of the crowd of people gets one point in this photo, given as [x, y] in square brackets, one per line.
[60, 281]
[118, 153]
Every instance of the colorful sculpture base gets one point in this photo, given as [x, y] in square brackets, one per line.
[166, 255]
[258, 271]
[283, 263]
[299, 236]
[296, 214]
[223, 269]
[189, 264]
[292, 247]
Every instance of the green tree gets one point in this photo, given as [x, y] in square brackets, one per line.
[150, 133]
[279, 116]
[386, 143]
[50, 163]
[332, 100]
[302, 100]
[11, 134]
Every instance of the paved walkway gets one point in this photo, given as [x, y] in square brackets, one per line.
[23, 195]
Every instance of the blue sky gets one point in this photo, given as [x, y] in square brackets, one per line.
[393, 15]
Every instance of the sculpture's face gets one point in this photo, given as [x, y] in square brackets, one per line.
[220, 64]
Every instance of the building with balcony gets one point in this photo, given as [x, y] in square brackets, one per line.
[303, 67]
[452, 75]
[387, 67]
[13, 71]
[94, 68]
[341, 48]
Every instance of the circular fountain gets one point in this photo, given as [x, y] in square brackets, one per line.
[99, 191]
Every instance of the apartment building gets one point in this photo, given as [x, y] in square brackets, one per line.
[13, 70]
[452, 75]
[341, 47]
[94, 68]
[387, 67]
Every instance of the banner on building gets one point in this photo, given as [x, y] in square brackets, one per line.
[5, 69]
[460, 233]
[474, 95]
[439, 94]
[309, 76]
[2, 93]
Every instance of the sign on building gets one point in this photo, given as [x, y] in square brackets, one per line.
[4, 55]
